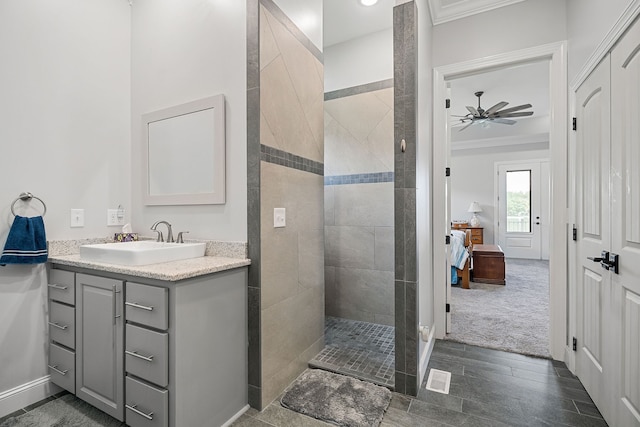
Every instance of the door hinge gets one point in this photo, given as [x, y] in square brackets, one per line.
[447, 308]
[447, 172]
[574, 234]
[575, 344]
[575, 123]
[447, 240]
[447, 103]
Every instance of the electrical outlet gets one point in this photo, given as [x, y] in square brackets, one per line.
[279, 217]
[77, 218]
[115, 217]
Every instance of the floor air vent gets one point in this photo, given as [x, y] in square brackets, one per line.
[439, 381]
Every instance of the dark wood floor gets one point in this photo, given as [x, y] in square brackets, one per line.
[488, 388]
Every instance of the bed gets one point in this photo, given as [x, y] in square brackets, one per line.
[460, 257]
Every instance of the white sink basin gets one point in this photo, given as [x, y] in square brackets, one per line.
[141, 252]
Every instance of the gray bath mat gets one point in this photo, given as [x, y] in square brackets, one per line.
[337, 399]
[67, 411]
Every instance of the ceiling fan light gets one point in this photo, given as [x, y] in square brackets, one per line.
[368, 2]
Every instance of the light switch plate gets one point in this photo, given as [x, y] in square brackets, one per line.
[279, 217]
[115, 217]
[77, 218]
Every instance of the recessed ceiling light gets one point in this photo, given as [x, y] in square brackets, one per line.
[368, 2]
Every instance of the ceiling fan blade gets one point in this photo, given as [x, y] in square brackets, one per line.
[504, 121]
[520, 114]
[512, 109]
[496, 107]
[466, 115]
[473, 110]
[466, 126]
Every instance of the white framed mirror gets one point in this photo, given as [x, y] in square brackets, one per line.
[183, 154]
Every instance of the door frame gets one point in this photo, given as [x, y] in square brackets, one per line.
[556, 54]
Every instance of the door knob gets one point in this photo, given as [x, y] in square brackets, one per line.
[608, 261]
[604, 255]
[613, 263]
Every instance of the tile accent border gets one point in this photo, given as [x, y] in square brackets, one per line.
[356, 90]
[359, 178]
[293, 29]
[290, 160]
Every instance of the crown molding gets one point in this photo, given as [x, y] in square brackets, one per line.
[442, 12]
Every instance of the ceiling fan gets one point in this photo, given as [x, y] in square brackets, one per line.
[494, 114]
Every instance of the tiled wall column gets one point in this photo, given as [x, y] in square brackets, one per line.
[253, 202]
[285, 170]
[405, 59]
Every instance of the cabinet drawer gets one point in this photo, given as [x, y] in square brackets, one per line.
[62, 286]
[146, 354]
[146, 406]
[147, 305]
[62, 324]
[476, 239]
[62, 367]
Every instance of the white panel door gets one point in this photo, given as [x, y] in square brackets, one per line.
[625, 212]
[593, 365]
[520, 209]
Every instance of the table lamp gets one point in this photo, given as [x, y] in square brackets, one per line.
[474, 208]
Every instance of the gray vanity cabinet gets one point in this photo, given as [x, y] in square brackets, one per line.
[150, 352]
[99, 343]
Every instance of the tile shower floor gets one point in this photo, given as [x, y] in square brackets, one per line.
[359, 349]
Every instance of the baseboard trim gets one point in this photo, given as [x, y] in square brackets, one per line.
[236, 416]
[26, 394]
[426, 354]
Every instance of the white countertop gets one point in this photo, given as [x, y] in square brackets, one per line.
[169, 271]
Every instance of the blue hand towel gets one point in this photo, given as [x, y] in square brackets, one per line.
[26, 243]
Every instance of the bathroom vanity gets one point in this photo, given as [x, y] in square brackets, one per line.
[155, 345]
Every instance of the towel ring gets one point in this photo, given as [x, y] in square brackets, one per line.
[25, 197]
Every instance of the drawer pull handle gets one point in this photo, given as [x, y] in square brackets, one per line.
[54, 286]
[139, 356]
[56, 325]
[55, 368]
[136, 305]
[133, 408]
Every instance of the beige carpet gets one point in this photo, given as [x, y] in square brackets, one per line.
[514, 317]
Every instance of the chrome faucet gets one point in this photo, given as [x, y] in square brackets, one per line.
[169, 234]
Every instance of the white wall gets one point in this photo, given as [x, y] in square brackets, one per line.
[424, 171]
[183, 51]
[359, 61]
[473, 179]
[65, 137]
[522, 25]
[588, 22]
[307, 15]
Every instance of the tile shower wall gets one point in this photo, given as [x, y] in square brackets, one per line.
[285, 170]
[359, 231]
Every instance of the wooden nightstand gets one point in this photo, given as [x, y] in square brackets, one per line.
[477, 235]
